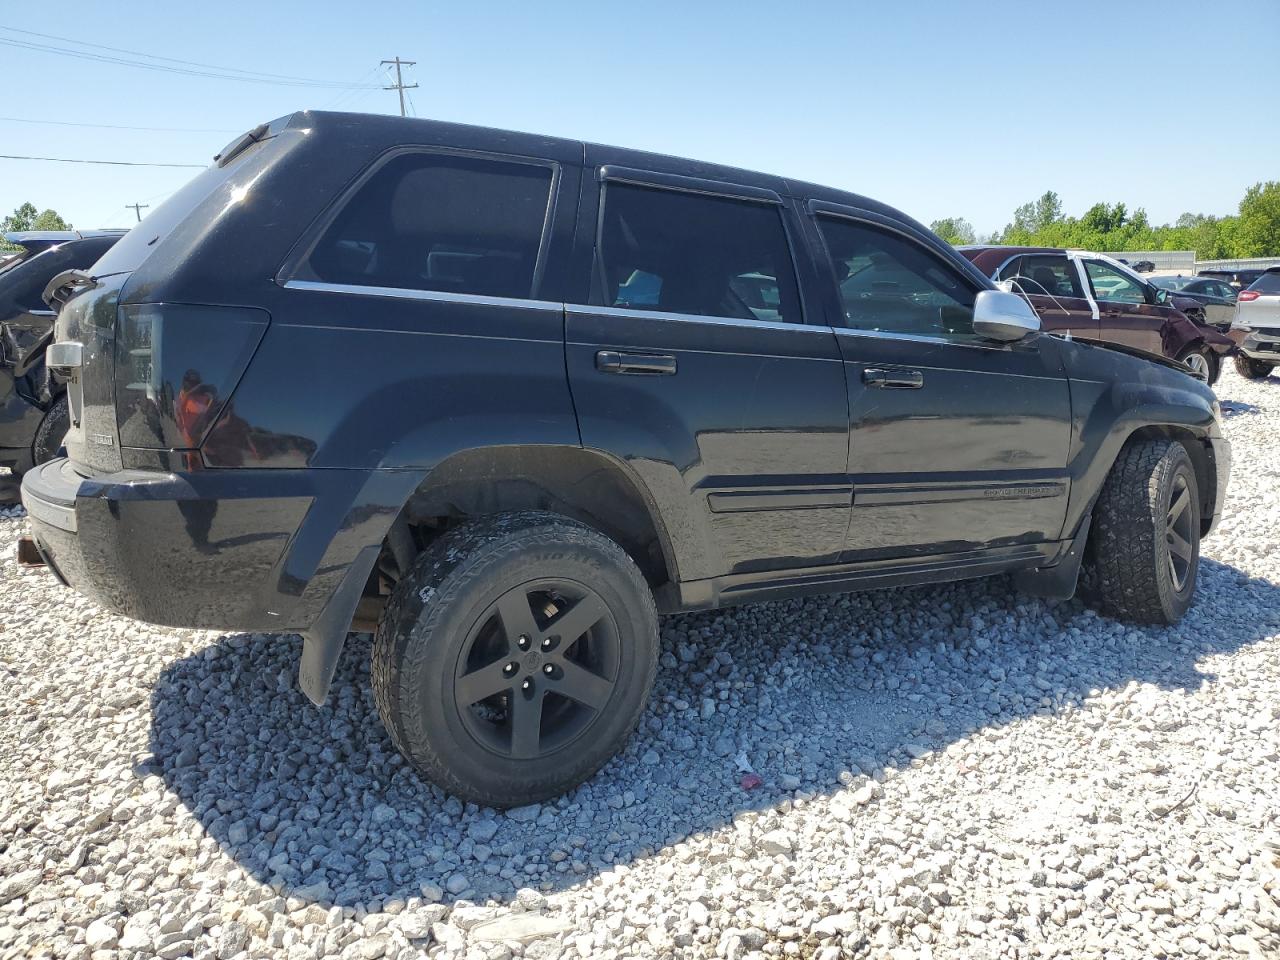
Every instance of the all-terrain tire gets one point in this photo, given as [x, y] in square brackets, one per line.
[421, 648]
[1252, 369]
[49, 435]
[1127, 571]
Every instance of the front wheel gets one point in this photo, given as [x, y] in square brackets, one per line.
[1202, 361]
[1252, 369]
[515, 658]
[1143, 553]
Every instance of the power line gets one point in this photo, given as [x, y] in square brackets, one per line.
[111, 163]
[217, 73]
[400, 85]
[114, 126]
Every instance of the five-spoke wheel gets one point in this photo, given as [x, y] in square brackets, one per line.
[515, 657]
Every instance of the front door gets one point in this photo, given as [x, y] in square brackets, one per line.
[1125, 313]
[956, 443]
[693, 363]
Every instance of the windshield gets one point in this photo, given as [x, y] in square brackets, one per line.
[1172, 283]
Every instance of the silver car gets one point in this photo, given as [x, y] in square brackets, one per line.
[1256, 327]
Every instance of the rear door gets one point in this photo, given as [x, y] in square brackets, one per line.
[1126, 315]
[695, 361]
[956, 443]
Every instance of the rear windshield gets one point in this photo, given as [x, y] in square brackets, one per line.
[138, 243]
[1267, 283]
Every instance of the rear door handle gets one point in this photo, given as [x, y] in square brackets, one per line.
[654, 364]
[893, 379]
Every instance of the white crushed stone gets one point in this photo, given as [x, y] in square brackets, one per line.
[947, 772]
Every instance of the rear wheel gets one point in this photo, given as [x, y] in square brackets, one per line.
[50, 434]
[1143, 552]
[516, 657]
[1252, 369]
[1203, 361]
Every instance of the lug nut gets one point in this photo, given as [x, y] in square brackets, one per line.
[527, 684]
[546, 643]
[523, 642]
[548, 669]
[510, 669]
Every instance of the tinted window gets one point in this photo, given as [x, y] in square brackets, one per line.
[1177, 283]
[891, 284]
[690, 253]
[1267, 283]
[1110, 284]
[432, 222]
[1050, 275]
[1220, 289]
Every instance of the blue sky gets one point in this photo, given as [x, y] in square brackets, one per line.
[940, 109]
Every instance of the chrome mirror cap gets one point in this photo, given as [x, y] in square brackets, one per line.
[1002, 316]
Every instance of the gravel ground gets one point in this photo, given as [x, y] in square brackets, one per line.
[949, 772]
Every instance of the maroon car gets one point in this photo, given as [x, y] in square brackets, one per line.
[1094, 297]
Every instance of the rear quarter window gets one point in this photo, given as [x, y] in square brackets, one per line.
[439, 222]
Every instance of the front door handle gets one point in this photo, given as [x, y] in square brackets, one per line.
[653, 364]
[893, 379]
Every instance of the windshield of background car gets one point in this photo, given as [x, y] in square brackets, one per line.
[1173, 283]
[1267, 283]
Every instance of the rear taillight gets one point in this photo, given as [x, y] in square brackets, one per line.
[1247, 295]
[176, 365]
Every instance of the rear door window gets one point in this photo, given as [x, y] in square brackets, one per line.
[440, 222]
[890, 284]
[680, 252]
[1049, 275]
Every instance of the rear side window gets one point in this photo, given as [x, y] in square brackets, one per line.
[892, 285]
[691, 253]
[1267, 283]
[439, 222]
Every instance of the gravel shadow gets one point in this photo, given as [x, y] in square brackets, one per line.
[316, 801]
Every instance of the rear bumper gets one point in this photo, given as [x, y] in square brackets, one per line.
[258, 550]
[1261, 345]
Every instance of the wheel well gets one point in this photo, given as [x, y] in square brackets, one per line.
[581, 484]
[1201, 459]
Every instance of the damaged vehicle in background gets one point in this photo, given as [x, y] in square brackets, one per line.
[33, 406]
[1093, 297]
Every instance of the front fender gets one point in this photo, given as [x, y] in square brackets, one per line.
[1112, 397]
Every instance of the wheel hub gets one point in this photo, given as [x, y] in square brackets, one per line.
[537, 668]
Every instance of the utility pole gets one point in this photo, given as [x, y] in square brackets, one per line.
[400, 85]
[137, 208]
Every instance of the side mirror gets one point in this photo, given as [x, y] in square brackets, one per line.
[1003, 316]
[1162, 295]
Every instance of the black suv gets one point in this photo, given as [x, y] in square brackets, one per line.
[504, 399]
[33, 408]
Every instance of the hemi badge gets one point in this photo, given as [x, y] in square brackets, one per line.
[102, 438]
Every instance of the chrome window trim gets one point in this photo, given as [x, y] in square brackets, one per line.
[582, 309]
[917, 338]
[409, 293]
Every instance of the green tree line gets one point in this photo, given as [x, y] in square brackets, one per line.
[27, 217]
[1253, 231]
